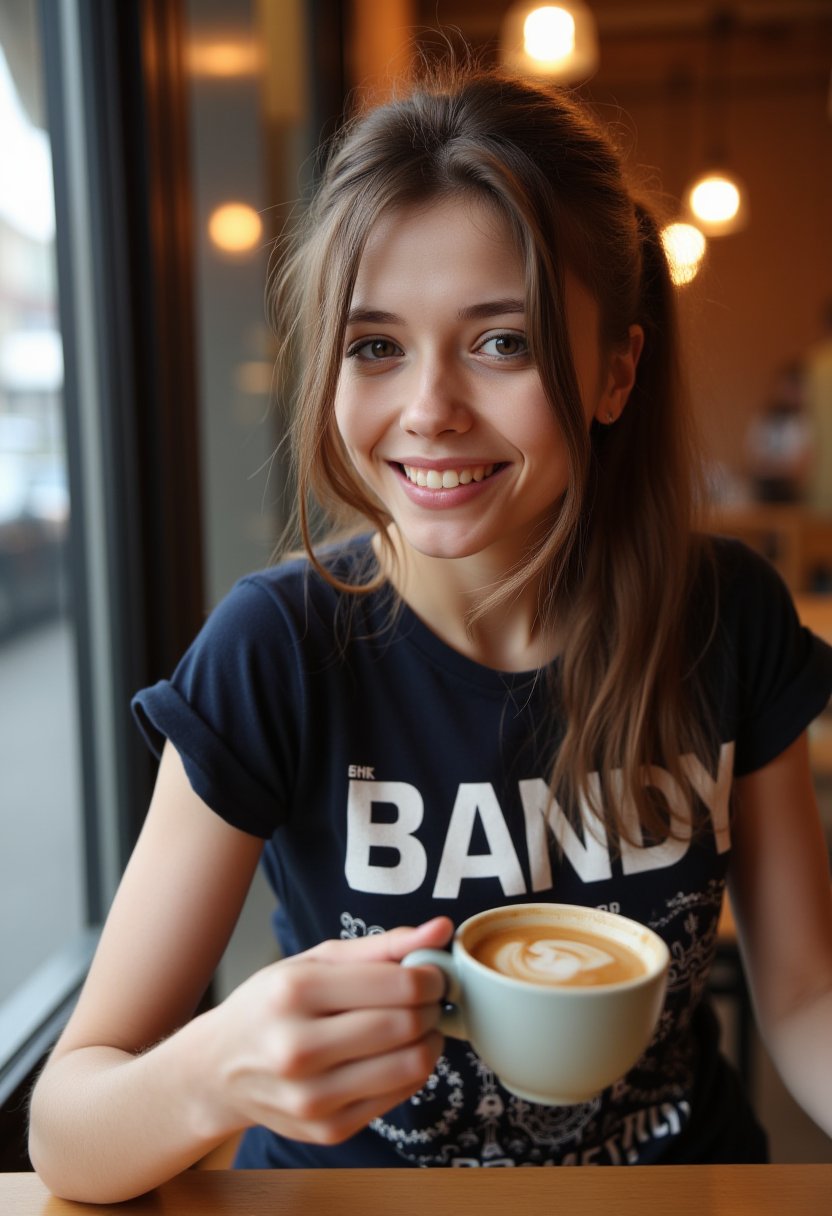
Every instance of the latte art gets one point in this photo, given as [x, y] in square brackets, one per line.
[563, 957]
[549, 960]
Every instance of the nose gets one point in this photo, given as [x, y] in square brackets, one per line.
[435, 401]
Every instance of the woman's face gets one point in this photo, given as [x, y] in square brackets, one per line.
[439, 404]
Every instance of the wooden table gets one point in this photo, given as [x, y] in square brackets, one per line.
[773, 1190]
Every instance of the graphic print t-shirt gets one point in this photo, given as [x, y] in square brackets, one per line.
[394, 779]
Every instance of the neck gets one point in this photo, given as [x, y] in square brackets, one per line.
[443, 592]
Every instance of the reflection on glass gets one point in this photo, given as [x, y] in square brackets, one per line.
[41, 864]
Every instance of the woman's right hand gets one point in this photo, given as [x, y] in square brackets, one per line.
[316, 1046]
[138, 1089]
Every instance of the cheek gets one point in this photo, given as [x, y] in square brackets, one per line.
[538, 431]
[344, 414]
[354, 422]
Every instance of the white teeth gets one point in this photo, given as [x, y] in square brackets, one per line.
[448, 479]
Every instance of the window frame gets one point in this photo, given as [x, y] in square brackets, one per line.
[117, 110]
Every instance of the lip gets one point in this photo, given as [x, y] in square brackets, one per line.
[451, 462]
[443, 500]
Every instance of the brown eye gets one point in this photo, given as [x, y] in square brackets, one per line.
[374, 348]
[505, 346]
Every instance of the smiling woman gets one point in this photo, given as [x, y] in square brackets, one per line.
[442, 410]
[439, 395]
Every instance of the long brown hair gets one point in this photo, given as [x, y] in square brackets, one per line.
[617, 564]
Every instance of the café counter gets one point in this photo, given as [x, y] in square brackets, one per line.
[704, 1190]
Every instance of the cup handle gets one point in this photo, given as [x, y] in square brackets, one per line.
[452, 1021]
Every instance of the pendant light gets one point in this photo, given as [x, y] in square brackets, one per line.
[556, 41]
[717, 200]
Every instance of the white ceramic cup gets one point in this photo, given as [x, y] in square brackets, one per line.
[547, 1043]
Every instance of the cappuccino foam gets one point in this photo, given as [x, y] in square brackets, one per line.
[560, 956]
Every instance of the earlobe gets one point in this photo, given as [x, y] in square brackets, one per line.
[621, 377]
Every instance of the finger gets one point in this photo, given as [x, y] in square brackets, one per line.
[387, 947]
[381, 1080]
[307, 988]
[308, 1049]
[354, 1118]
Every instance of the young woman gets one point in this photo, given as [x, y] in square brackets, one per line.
[523, 675]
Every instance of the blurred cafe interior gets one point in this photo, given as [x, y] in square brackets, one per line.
[151, 152]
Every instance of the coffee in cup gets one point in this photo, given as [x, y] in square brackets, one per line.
[565, 957]
[557, 999]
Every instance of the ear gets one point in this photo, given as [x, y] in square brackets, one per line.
[621, 376]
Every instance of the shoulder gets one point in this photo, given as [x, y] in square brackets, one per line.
[351, 561]
[733, 559]
[296, 592]
[738, 583]
[274, 624]
[771, 676]
[741, 601]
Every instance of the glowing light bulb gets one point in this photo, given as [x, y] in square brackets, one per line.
[715, 199]
[554, 42]
[549, 33]
[235, 227]
[684, 247]
[717, 202]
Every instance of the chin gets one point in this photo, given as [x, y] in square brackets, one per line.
[443, 547]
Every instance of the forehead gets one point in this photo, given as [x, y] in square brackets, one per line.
[463, 239]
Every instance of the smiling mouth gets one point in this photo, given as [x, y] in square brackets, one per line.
[448, 479]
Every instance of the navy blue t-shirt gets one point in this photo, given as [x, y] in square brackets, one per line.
[394, 779]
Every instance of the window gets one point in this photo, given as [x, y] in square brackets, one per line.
[43, 906]
[97, 411]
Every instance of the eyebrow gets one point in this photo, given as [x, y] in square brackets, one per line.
[491, 308]
[471, 312]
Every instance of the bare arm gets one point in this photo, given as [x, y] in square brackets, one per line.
[315, 1047]
[782, 900]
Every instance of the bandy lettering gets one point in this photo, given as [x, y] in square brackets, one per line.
[476, 803]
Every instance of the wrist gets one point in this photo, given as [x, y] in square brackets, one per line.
[210, 1115]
